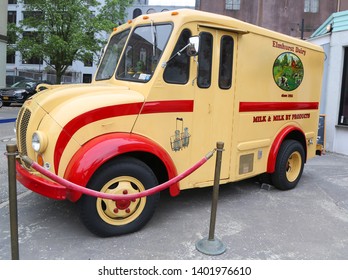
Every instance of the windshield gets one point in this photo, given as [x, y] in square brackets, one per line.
[143, 52]
[112, 55]
[23, 84]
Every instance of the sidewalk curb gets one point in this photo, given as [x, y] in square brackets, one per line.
[8, 120]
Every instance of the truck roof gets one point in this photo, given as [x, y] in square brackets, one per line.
[217, 21]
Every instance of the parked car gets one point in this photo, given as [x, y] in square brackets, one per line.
[12, 79]
[18, 92]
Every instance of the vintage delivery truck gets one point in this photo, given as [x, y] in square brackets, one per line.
[168, 87]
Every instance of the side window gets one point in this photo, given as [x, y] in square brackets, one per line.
[178, 69]
[205, 60]
[226, 62]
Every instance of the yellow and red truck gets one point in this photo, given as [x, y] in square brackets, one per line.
[168, 87]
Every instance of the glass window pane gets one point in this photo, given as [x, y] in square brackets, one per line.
[112, 55]
[205, 60]
[343, 116]
[311, 6]
[143, 52]
[226, 62]
[178, 69]
[315, 6]
[232, 5]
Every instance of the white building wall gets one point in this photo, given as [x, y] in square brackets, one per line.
[334, 44]
[3, 42]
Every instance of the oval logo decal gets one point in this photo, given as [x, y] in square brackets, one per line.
[288, 71]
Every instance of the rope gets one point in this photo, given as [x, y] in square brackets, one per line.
[115, 197]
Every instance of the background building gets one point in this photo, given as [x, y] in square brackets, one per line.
[79, 71]
[3, 41]
[297, 18]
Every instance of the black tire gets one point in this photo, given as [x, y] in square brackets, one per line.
[111, 218]
[289, 165]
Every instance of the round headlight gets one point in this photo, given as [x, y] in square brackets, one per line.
[39, 141]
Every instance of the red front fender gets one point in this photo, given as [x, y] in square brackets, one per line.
[103, 148]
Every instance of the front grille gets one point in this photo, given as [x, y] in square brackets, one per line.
[22, 126]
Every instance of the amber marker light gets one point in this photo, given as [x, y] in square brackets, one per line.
[175, 13]
[40, 160]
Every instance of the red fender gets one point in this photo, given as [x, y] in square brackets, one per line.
[103, 148]
[272, 157]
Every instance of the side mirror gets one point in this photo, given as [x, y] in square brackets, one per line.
[193, 47]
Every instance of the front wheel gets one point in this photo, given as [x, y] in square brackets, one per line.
[289, 165]
[106, 217]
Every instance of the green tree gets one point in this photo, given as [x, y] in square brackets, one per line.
[285, 61]
[61, 31]
[112, 12]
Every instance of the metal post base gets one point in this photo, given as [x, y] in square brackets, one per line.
[212, 247]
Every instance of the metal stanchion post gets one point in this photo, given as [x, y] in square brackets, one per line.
[12, 183]
[212, 245]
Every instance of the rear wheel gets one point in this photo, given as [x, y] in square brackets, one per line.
[289, 165]
[106, 217]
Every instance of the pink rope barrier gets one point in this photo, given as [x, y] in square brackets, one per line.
[94, 193]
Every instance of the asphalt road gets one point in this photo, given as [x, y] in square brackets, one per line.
[309, 222]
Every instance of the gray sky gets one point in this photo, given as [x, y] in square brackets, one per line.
[172, 2]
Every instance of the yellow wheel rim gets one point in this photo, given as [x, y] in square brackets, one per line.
[121, 212]
[293, 167]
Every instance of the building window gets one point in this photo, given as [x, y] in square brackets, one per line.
[343, 115]
[12, 17]
[87, 78]
[151, 11]
[205, 57]
[137, 12]
[34, 36]
[12, 1]
[11, 58]
[88, 60]
[32, 60]
[11, 37]
[33, 14]
[311, 6]
[232, 5]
